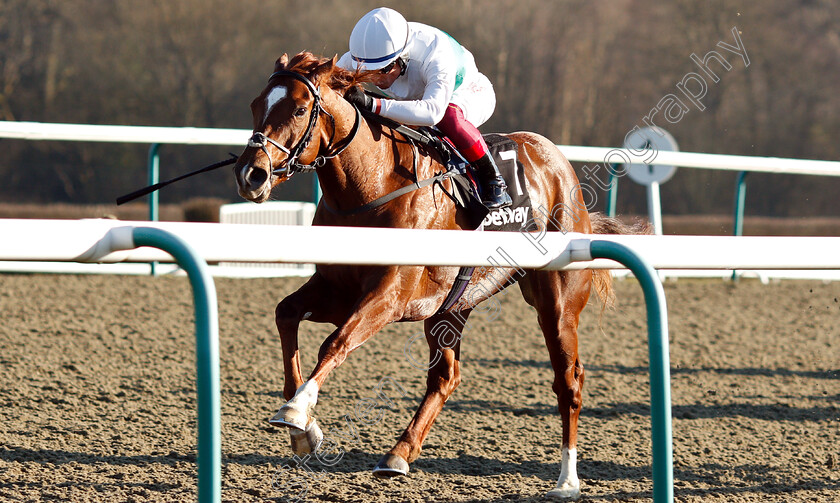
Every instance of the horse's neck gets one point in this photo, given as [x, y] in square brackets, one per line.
[360, 173]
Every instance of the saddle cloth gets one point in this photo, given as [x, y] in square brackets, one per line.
[516, 217]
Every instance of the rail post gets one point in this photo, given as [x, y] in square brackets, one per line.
[316, 189]
[153, 178]
[209, 444]
[612, 194]
[659, 362]
[740, 200]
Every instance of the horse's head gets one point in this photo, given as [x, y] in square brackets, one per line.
[288, 130]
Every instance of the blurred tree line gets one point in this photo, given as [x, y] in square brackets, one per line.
[578, 72]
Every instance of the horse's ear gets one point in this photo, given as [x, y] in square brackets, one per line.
[281, 62]
[324, 70]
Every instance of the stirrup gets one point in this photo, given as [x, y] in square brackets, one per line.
[495, 196]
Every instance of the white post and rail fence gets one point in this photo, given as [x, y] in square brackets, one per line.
[192, 245]
[156, 136]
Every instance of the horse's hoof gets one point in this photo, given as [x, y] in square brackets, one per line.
[565, 491]
[307, 441]
[290, 417]
[391, 466]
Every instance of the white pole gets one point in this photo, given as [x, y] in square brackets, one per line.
[126, 134]
[706, 161]
[654, 207]
[94, 241]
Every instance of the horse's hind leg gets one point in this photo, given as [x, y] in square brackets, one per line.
[559, 298]
[443, 334]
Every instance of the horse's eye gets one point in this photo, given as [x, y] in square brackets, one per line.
[300, 112]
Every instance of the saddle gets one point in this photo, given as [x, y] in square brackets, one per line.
[464, 188]
[464, 191]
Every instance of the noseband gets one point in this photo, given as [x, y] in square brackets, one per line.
[292, 165]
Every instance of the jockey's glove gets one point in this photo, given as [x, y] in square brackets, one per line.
[358, 98]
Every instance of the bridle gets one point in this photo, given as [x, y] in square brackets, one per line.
[292, 165]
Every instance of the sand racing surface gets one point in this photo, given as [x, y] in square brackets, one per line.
[97, 397]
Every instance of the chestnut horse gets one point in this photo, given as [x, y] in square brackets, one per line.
[301, 121]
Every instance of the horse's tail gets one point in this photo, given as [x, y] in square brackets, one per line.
[602, 224]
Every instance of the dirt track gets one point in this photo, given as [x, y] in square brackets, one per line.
[97, 398]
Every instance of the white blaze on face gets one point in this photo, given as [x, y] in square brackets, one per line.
[274, 96]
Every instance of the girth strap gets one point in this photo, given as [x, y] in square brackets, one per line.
[379, 201]
[424, 139]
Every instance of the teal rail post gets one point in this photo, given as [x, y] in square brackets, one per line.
[316, 189]
[660, 368]
[154, 177]
[612, 194]
[740, 200]
[209, 457]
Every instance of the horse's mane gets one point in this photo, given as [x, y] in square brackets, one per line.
[339, 80]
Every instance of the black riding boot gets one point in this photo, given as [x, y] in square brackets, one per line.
[493, 188]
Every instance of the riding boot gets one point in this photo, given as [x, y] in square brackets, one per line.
[493, 187]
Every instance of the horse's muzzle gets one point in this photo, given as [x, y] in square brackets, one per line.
[253, 182]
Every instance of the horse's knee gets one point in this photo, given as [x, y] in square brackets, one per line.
[578, 373]
[444, 377]
[285, 312]
[455, 379]
[568, 387]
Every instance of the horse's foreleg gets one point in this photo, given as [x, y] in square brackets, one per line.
[370, 314]
[288, 316]
[368, 317]
[309, 302]
[443, 334]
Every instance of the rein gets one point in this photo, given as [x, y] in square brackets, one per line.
[292, 165]
[412, 136]
[425, 139]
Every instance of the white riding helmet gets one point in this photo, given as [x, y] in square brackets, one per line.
[379, 38]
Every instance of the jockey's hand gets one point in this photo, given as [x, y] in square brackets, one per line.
[358, 98]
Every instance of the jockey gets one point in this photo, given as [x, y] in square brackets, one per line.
[434, 82]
